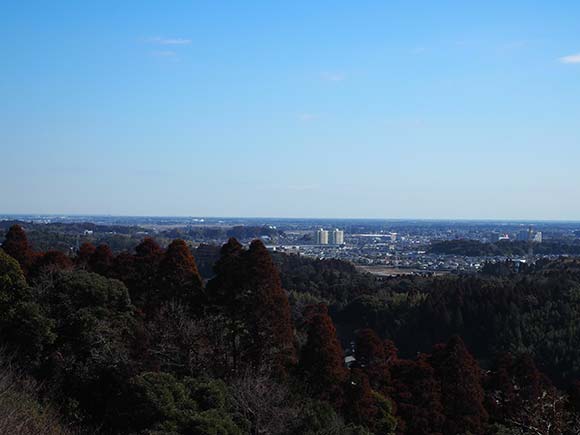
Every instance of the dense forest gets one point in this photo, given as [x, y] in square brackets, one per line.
[62, 236]
[504, 248]
[235, 340]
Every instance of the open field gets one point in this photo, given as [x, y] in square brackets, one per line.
[381, 270]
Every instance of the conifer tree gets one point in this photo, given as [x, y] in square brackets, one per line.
[101, 260]
[51, 260]
[247, 289]
[86, 250]
[321, 358]
[417, 394]
[177, 277]
[370, 354]
[461, 388]
[17, 246]
[139, 271]
[514, 384]
[268, 312]
[360, 404]
[223, 290]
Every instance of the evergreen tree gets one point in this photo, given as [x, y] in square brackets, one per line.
[101, 261]
[268, 311]
[139, 271]
[418, 396]
[461, 388]
[24, 328]
[17, 246]
[371, 356]
[51, 260]
[366, 407]
[86, 250]
[223, 289]
[321, 358]
[248, 290]
[515, 384]
[177, 276]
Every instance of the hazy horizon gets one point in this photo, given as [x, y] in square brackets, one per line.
[297, 218]
[423, 110]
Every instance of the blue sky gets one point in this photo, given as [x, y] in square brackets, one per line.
[386, 109]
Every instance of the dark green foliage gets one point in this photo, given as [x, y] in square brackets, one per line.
[23, 410]
[13, 285]
[94, 324]
[23, 325]
[389, 313]
[474, 248]
[221, 359]
[334, 282]
[158, 402]
[319, 418]
[533, 313]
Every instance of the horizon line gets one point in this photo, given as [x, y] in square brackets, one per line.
[446, 219]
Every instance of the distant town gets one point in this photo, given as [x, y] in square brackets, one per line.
[381, 247]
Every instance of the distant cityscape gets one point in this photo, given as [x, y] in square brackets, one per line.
[382, 247]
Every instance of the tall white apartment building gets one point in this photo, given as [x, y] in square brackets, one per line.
[337, 237]
[321, 237]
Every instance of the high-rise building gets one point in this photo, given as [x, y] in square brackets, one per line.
[337, 237]
[537, 237]
[322, 237]
[523, 235]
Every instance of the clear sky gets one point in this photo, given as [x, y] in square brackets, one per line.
[424, 109]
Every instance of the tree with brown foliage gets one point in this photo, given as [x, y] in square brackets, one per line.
[321, 358]
[225, 296]
[148, 255]
[139, 270]
[177, 277]
[50, 261]
[223, 289]
[101, 261]
[371, 357]
[418, 396]
[86, 250]
[521, 397]
[359, 407]
[461, 388]
[17, 246]
[248, 290]
[268, 310]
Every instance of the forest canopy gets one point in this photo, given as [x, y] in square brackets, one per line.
[141, 342]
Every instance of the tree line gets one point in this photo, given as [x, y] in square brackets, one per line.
[503, 248]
